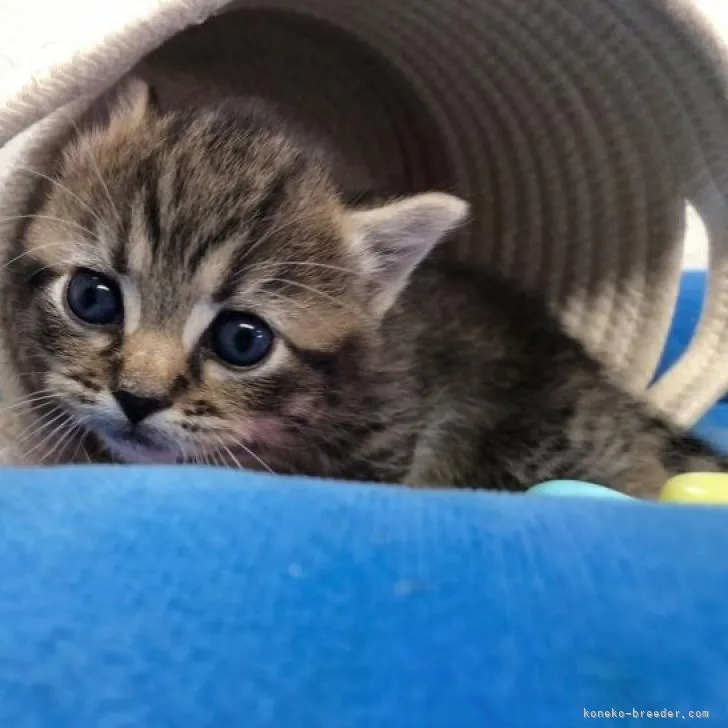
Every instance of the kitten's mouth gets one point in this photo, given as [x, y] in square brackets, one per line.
[135, 448]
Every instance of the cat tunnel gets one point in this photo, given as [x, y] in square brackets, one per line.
[580, 131]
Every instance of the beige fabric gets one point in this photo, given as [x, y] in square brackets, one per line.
[578, 129]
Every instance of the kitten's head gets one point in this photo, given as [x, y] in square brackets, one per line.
[187, 283]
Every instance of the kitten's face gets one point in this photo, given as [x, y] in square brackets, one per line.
[189, 285]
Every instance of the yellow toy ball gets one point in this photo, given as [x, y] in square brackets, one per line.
[696, 488]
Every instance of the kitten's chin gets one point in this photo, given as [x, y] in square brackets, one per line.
[137, 454]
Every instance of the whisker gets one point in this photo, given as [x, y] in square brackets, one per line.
[36, 427]
[62, 435]
[42, 390]
[28, 402]
[318, 292]
[229, 452]
[61, 186]
[217, 459]
[31, 251]
[51, 218]
[263, 265]
[255, 457]
[80, 443]
[58, 449]
[182, 454]
[49, 436]
[289, 300]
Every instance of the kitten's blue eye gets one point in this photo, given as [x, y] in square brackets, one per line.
[240, 339]
[94, 298]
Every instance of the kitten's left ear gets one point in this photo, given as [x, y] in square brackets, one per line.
[123, 107]
[133, 101]
[394, 239]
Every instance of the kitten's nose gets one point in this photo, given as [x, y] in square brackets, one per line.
[136, 407]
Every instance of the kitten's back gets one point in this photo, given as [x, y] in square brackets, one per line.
[514, 400]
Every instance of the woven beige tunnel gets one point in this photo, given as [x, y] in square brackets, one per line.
[578, 129]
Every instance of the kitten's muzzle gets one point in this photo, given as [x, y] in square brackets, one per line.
[138, 407]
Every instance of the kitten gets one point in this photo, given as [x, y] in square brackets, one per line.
[190, 287]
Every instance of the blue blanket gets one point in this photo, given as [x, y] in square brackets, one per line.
[175, 597]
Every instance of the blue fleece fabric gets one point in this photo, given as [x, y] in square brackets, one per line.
[688, 307]
[181, 597]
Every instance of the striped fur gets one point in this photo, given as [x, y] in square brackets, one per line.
[443, 378]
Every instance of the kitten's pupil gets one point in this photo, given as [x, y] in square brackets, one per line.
[241, 340]
[94, 298]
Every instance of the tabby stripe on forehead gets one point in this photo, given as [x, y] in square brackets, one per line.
[262, 215]
[225, 232]
[264, 211]
[119, 254]
[151, 208]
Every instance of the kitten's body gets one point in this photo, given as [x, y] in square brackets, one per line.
[383, 368]
[474, 384]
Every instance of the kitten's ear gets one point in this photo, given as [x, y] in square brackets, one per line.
[125, 106]
[394, 239]
[133, 101]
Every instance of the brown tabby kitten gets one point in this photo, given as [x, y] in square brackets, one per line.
[189, 287]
